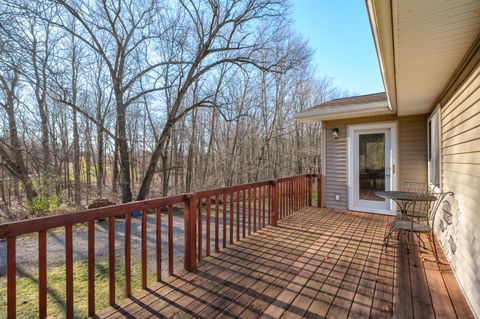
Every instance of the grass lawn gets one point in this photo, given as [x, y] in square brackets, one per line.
[27, 289]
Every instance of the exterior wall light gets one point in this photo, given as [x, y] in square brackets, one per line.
[335, 132]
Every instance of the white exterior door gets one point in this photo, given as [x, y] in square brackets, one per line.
[371, 166]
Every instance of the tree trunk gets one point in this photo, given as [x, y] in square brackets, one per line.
[13, 159]
[100, 156]
[124, 160]
[189, 174]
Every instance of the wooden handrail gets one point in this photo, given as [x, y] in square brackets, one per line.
[239, 210]
[35, 225]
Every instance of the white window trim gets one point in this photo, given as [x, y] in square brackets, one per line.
[440, 162]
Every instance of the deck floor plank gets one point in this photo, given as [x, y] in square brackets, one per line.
[317, 263]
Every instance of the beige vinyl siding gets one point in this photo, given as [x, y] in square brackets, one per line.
[336, 177]
[412, 159]
[460, 124]
[412, 149]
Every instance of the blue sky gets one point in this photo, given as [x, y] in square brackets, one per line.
[339, 32]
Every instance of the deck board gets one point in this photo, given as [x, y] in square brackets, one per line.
[317, 263]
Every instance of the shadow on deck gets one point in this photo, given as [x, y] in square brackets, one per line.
[317, 263]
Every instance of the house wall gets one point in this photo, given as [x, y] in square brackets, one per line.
[412, 150]
[460, 136]
[336, 176]
[412, 146]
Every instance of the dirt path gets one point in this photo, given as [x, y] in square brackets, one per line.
[27, 248]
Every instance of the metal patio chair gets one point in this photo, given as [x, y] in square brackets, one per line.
[420, 210]
[420, 220]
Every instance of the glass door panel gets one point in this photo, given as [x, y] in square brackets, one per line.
[371, 165]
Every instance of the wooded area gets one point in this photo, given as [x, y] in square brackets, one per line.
[130, 99]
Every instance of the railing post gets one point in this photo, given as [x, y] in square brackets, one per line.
[190, 233]
[319, 190]
[274, 192]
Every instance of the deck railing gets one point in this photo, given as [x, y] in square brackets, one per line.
[245, 209]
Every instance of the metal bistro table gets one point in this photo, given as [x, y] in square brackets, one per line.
[406, 201]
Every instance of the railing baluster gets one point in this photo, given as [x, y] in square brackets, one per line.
[260, 201]
[264, 192]
[224, 216]
[42, 274]
[297, 195]
[208, 226]
[238, 215]
[170, 238]
[217, 249]
[91, 268]
[309, 190]
[199, 225]
[69, 270]
[279, 199]
[243, 213]
[259, 213]
[249, 203]
[111, 260]
[254, 209]
[159, 243]
[144, 249]
[282, 199]
[319, 190]
[262, 204]
[128, 267]
[269, 204]
[302, 193]
[301, 197]
[305, 188]
[231, 218]
[292, 196]
[275, 202]
[11, 278]
[289, 197]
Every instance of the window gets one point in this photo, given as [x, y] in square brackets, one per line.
[434, 151]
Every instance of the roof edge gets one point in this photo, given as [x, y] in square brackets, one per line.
[344, 112]
[381, 15]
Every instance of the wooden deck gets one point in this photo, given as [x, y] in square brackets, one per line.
[317, 263]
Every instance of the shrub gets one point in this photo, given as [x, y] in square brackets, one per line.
[45, 205]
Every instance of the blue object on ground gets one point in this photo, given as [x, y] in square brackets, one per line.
[136, 213]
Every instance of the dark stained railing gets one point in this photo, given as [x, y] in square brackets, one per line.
[238, 211]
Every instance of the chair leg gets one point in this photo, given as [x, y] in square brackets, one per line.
[434, 248]
[387, 237]
[413, 250]
[421, 241]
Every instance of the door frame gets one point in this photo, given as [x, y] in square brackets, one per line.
[392, 126]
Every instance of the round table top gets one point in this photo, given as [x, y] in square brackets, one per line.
[410, 196]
